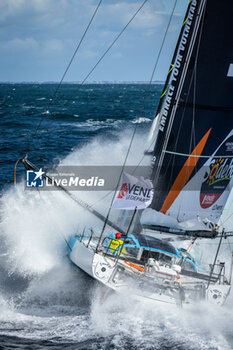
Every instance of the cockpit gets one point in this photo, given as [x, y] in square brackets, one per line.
[142, 247]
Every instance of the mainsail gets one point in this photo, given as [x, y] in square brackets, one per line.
[193, 153]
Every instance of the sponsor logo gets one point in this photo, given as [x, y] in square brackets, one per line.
[208, 200]
[123, 191]
[35, 178]
[134, 192]
[217, 177]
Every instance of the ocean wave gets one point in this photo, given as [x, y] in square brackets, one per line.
[141, 120]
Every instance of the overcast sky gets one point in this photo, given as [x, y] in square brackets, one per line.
[38, 38]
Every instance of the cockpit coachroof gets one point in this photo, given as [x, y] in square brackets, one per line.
[155, 243]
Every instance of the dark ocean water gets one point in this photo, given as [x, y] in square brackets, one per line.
[45, 301]
[76, 117]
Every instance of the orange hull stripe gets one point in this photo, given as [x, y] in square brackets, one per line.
[184, 174]
[140, 268]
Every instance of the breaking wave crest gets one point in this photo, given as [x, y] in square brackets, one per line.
[44, 297]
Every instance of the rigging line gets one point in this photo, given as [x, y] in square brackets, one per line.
[70, 62]
[107, 50]
[227, 211]
[186, 97]
[111, 45]
[166, 85]
[225, 220]
[153, 72]
[126, 235]
[148, 87]
[116, 188]
[194, 105]
[215, 259]
[186, 254]
[179, 86]
[83, 81]
[154, 69]
[195, 156]
[151, 78]
[161, 109]
[214, 244]
[158, 57]
[155, 66]
[192, 81]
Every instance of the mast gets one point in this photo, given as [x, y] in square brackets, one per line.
[181, 60]
[165, 88]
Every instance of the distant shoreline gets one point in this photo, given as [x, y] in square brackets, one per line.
[87, 83]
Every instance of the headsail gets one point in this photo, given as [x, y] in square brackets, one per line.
[192, 158]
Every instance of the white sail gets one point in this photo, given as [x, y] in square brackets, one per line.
[152, 217]
[206, 193]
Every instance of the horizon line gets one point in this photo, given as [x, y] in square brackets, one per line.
[86, 83]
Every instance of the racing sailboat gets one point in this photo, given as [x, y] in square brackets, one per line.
[191, 150]
[192, 168]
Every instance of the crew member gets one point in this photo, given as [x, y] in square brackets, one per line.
[116, 244]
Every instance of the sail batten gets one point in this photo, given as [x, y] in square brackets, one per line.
[195, 155]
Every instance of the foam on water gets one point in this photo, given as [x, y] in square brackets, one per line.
[34, 224]
[141, 120]
[162, 327]
[56, 301]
